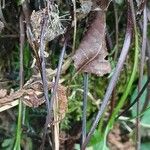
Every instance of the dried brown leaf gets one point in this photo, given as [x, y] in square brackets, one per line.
[62, 101]
[32, 96]
[9, 98]
[102, 4]
[90, 56]
[53, 27]
[33, 99]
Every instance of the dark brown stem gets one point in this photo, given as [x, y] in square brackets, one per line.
[43, 76]
[22, 41]
[84, 107]
[49, 115]
[117, 30]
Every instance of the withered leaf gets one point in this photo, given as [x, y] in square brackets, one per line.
[9, 98]
[102, 4]
[33, 99]
[32, 96]
[62, 101]
[53, 26]
[90, 56]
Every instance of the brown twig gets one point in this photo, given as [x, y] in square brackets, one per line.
[22, 41]
[43, 76]
[117, 30]
[85, 94]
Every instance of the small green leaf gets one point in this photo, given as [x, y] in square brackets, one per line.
[142, 98]
[6, 142]
[19, 2]
[97, 142]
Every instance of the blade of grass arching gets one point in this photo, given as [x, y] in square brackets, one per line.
[114, 78]
[22, 41]
[129, 85]
[85, 94]
[138, 96]
[139, 115]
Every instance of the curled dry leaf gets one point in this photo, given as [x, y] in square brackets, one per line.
[33, 99]
[53, 25]
[32, 96]
[90, 56]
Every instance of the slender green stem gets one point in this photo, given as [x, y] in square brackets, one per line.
[101, 123]
[21, 75]
[18, 136]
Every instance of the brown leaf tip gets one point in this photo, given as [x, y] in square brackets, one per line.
[90, 56]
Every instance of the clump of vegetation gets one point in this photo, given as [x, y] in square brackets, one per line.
[74, 74]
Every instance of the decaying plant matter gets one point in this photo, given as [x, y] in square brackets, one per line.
[32, 96]
[53, 27]
[70, 44]
[90, 56]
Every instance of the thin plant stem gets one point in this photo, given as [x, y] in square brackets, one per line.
[117, 30]
[131, 80]
[18, 136]
[21, 74]
[138, 136]
[75, 26]
[85, 94]
[49, 116]
[141, 68]
[135, 100]
[148, 74]
[44, 78]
